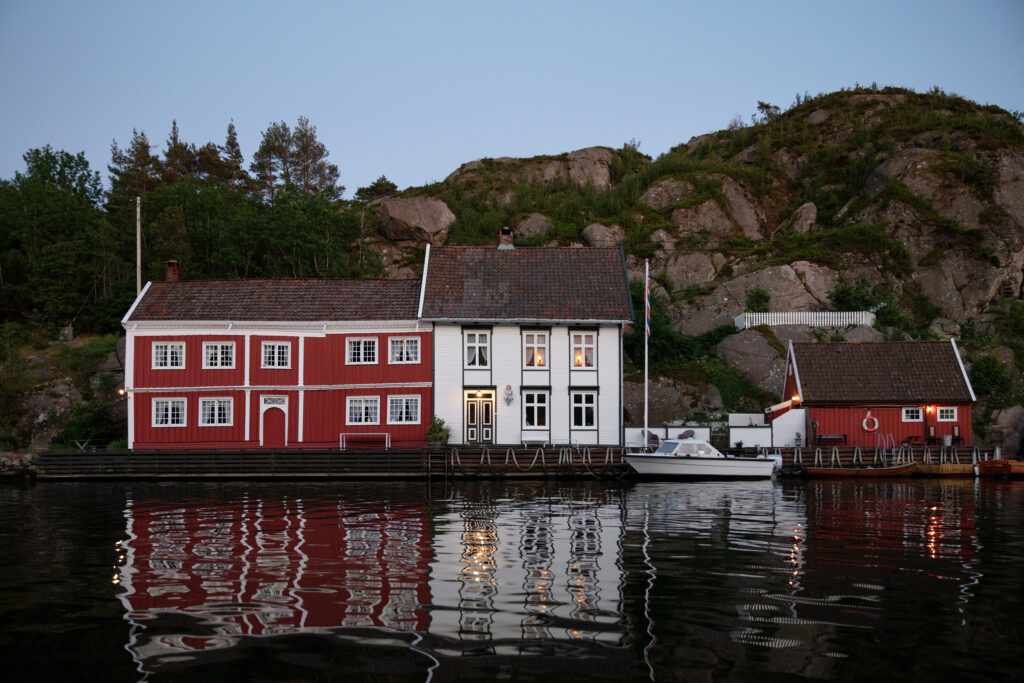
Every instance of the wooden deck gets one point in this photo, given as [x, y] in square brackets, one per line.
[947, 461]
[331, 464]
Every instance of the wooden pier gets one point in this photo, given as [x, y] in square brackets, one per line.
[452, 462]
[332, 464]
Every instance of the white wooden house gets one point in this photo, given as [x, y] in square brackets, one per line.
[527, 342]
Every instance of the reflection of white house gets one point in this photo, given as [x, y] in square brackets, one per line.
[527, 342]
[505, 573]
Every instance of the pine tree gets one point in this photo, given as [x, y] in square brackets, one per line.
[231, 154]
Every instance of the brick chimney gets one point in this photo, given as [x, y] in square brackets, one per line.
[171, 270]
[505, 239]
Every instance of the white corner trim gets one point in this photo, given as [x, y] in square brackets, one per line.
[124, 320]
[423, 282]
[963, 371]
[796, 374]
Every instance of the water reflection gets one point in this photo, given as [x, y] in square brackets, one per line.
[640, 581]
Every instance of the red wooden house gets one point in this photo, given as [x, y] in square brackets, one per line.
[276, 363]
[858, 394]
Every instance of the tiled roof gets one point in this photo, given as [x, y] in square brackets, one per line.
[526, 283]
[880, 372]
[279, 300]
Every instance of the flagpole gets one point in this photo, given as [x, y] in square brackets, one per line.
[647, 333]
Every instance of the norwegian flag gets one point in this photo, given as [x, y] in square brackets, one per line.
[647, 301]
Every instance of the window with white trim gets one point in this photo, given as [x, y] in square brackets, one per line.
[914, 414]
[404, 350]
[362, 410]
[216, 412]
[535, 409]
[584, 410]
[168, 412]
[478, 350]
[277, 354]
[168, 355]
[947, 414]
[535, 350]
[403, 409]
[584, 353]
[362, 351]
[218, 355]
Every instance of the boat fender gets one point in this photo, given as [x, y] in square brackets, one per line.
[776, 459]
[870, 424]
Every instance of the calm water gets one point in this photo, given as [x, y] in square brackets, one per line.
[916, 580]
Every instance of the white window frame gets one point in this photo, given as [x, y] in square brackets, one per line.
[477, 344]
[408, 350]
[535, 349]
[938, 414]
[277, 348]
[220, 347]
[406, 400]
[363, 403]
[217, 402]
[170, 401]
[361, 345]
[583, 346]
[179, 345]
[583, 407]
[530, 400]
[913, 414]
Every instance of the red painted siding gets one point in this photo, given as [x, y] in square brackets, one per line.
[193, 374]
[849, 420]
[148, 436]
[325, 417]
[326, 361]
[273, 377]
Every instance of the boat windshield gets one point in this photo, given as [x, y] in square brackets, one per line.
[686, 447]
[667, 447]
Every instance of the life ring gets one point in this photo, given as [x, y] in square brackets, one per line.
[873, 421]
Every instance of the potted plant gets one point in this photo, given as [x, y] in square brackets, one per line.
[437, 433]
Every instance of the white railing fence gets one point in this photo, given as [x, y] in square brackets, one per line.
[810, 318]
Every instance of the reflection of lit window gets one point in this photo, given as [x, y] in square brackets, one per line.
[535, 349]
[583, 354]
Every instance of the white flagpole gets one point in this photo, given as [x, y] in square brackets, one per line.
[647, 308]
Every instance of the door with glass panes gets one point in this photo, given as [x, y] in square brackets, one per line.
[479, 417]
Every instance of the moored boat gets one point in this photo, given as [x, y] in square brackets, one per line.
[948, 469]
[698, 459]
[1001, 468]
[891, 471]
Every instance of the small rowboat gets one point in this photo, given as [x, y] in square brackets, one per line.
[893, 471]
[1001, 468]
[949, 469]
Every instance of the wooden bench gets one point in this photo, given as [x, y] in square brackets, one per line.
[838, 438]
[344, 437]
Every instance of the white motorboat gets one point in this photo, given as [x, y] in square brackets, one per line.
[688, 457]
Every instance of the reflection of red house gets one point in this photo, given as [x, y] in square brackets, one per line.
[860, 393]
[201, 577]
[276, 363]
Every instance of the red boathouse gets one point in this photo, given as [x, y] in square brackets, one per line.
[277, 364]
[869, 394]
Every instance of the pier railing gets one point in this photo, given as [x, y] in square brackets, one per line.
[810, 318]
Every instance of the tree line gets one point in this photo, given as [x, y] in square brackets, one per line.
[67, 245]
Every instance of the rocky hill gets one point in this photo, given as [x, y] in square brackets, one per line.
[909, 204]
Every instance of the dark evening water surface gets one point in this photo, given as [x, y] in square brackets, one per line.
[888, 580]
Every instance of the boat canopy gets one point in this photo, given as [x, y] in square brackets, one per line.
[686, 447]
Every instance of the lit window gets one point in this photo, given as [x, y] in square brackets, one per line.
[404, 350]
[215, 412]
[477, 355]
[277, 354]
[583, 354]
[363, 410]
[947, 414]
[168, 412]
[403, 409]
[218, 355]
[583, 410]
[362, 351]
[913, 414]
[535, 349]
[535, 409]
[168, 354]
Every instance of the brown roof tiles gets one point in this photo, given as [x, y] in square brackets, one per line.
[527, 283]
[279, 300]
[880, 372]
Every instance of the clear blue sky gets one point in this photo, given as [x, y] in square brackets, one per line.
[413, 89]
